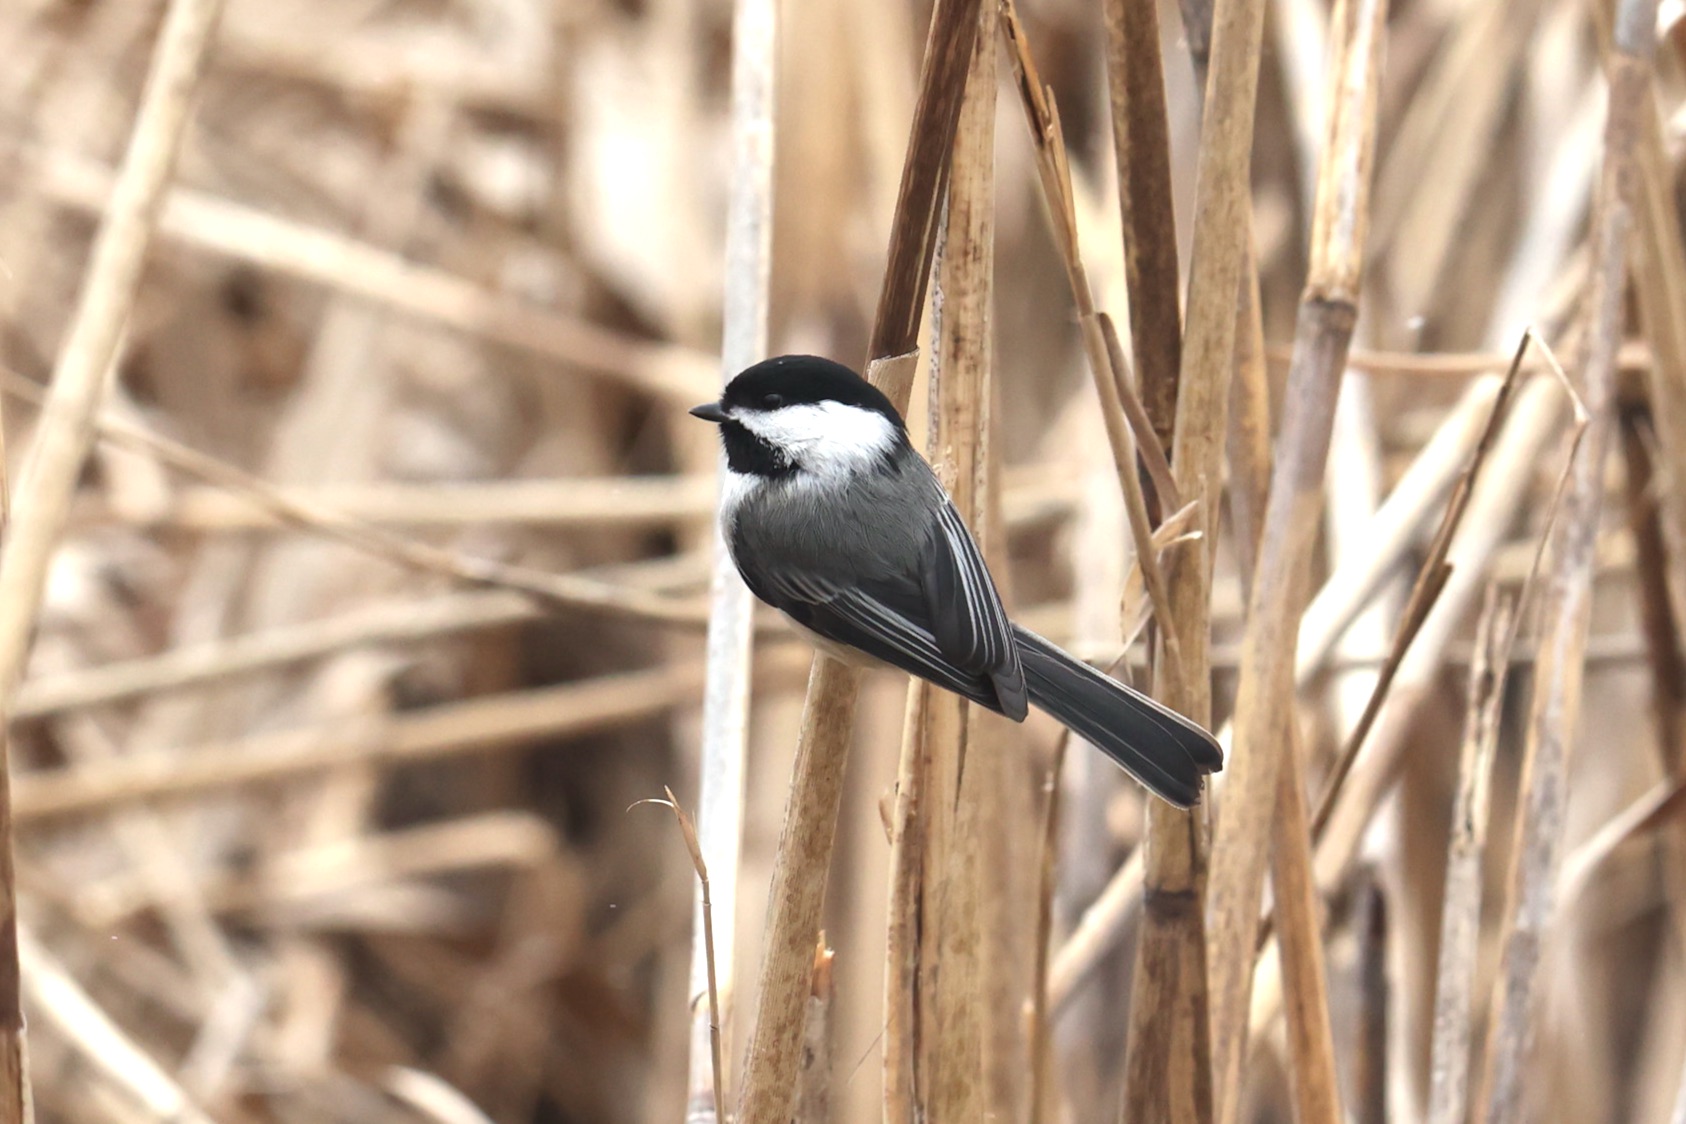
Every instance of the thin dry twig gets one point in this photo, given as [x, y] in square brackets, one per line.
[716, 1089]
[1425, 591]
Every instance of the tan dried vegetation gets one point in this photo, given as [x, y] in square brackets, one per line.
[359, 604]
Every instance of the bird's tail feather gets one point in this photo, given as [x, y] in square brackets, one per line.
[1160, 748]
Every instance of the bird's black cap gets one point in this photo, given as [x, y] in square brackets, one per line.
[788, 380]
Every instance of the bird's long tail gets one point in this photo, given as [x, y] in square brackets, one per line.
[1160, 748]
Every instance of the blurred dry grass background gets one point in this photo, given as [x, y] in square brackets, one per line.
[320, 818]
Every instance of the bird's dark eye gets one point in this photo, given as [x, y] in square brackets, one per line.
[772, 401]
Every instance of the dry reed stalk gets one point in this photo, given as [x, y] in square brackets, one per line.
[725, 718]
[1166, 1068]
[810, 823]
[1432, 473]
[1328, 310]
[676, 374]
[1249, 438]
[1111, 381]
[1311, 1040]
[1431, 581]
[489, 724]
[1165, 1071]
[47, 483]
[1142, 150]
[901, 961]
[1568, 605]
[1460, 922]
[939, 902]
[1218, 265]
[956, 880]
[1437, 603]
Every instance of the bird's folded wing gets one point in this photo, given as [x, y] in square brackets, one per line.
[863, 619]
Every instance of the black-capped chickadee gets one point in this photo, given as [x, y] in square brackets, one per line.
[834, 519]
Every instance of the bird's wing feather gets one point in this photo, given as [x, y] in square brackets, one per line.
[967, 618]
[879, 622]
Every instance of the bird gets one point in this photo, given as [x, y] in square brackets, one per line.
[832, 517]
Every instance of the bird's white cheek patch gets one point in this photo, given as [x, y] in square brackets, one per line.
[829, 439]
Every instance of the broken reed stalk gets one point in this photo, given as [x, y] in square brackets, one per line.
[1460, 920]
[804, 849]
[936, 950]
[65, 433]
[1246, 827]
[1568, 605]
[725, 715]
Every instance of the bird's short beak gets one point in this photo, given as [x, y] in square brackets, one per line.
[709, 411]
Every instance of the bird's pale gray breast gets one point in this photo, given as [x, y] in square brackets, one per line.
[866, 529]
